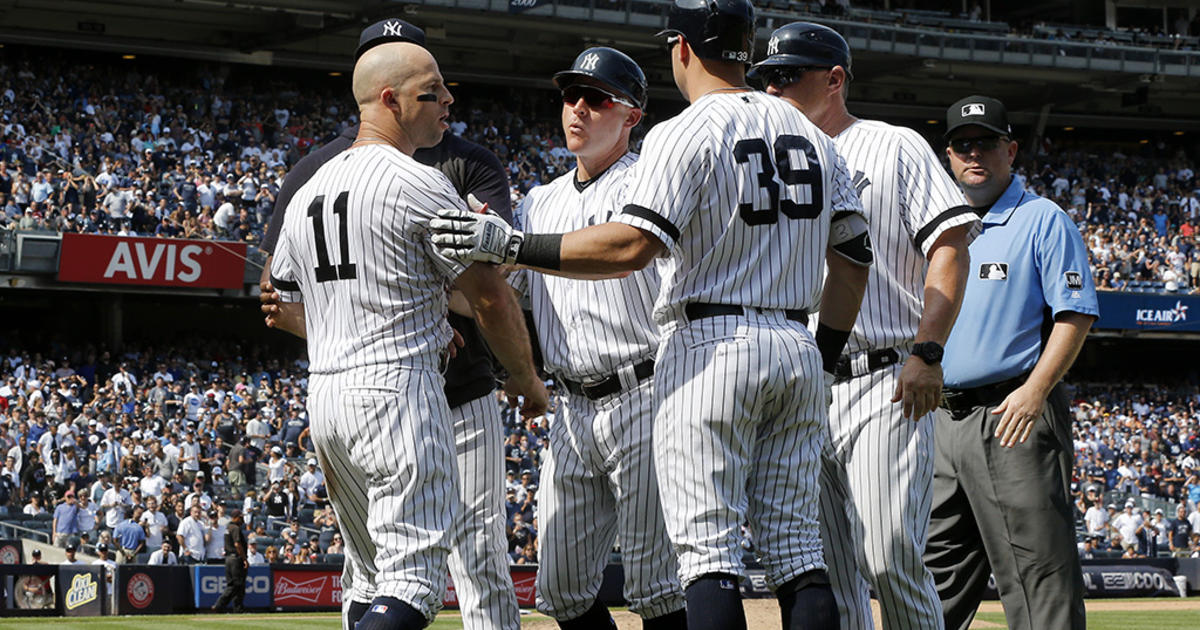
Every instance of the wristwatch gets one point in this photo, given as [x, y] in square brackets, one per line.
[929, 351]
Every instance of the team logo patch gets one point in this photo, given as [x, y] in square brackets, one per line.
[773, 46]
[392, 29]
[1074, 279]
[140, 590]
[993, 271]
[972, 109]
[728, 585]
[589, 62]
[379, 609]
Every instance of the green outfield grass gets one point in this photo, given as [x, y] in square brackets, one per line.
[1127, 619]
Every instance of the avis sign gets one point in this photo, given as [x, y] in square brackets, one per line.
[160, 262]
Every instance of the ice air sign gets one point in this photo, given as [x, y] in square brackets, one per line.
[1164, 316]
[151, 261]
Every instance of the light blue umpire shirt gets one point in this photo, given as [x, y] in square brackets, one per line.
[1028, 265]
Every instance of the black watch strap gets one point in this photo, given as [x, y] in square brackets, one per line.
[929, 351]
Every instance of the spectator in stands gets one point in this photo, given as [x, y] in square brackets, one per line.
[193, 535]
[87, 515]
[70, 550]
[253, 556]
[34, 507]
[163, 555]
[1179, 532]
[66, 519]
[154, 523]
[129, 536]
[337, 546]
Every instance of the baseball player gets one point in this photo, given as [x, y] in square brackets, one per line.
[747, 201]
[353, 247]
[599, 341]
[876, 477]
[478, 563]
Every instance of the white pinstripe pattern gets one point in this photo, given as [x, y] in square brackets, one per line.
[478, 554]
[599, 471]
[384, 444]
[690, 182]
[875, 500]
[737, 437]
[905, 194]
[602, 486]
[876, 480]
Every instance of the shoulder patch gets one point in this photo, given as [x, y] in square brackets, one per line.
[993, 271]
[1074, 280]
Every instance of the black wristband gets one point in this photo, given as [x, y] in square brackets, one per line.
[543, 251]
[831, 342]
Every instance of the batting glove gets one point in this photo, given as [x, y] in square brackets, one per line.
[471, 236]
[829, 379]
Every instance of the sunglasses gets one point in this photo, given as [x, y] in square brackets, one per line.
[963, 146]
[593, 96]
[786, 75]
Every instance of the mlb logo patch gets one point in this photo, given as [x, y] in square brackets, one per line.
[972, 109]
[993, 271]
[1074, 279]
[379, 609]
[728, 585]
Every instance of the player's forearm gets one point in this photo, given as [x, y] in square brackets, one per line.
[945, 283]
[843, 293]
[501, 322]
[1066, 339]
[608, 248]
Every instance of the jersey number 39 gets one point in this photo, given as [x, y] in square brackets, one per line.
[795, 158]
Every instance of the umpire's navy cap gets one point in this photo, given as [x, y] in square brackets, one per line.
[986, 112]
[389, 30]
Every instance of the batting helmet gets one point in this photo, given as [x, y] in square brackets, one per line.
[805, 44]
[610, 67]
[715, 29]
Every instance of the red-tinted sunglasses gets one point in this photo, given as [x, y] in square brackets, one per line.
[593, 96]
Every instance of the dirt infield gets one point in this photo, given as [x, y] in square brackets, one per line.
[763, 614]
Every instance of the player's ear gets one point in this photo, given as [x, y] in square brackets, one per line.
[634, 117]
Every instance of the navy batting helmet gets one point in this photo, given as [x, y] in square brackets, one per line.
[609, 66]
[715, 29]
[805, 44]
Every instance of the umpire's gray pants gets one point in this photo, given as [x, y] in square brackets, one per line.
[1005, 511]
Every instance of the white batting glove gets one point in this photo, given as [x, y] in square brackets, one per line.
[471, 236]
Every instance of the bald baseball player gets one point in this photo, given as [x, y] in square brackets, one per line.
[740, 195]
[354, 249]
[599, 341]
[876, 478]
[478, 558]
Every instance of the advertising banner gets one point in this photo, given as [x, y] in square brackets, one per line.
[1151, 312]
[28, 590]
[163, 262]
[300, 586]
[208, 580]
[147, 590]
[11, 552]
[82, 590]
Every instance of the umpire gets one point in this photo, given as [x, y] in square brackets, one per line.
[236, 565]
[1004, 451]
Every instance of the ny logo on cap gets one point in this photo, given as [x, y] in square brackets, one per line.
[392, 29]
[773, 46]
[972, 109]
[589, 62]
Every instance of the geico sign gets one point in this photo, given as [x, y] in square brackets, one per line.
[212, 584]
[151, 261]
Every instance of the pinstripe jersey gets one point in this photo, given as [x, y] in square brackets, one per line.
[355, 244]
[740, 188]
[909, 200]
[587, 329]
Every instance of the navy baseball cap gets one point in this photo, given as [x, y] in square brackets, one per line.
[389, 30]
[986, 112]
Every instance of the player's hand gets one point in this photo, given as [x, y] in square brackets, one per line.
[829, 379]
[268, 300]
[919, 388]
[537, 399]
[1019, 412]
[470, 236]
[456, 342]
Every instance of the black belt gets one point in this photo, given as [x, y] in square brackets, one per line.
[875, 360]
[962, 401]
[610, 385]
[700, 310]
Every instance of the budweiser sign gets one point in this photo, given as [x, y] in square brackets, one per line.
[308, 588]
[151, 261]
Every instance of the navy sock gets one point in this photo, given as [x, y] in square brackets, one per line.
[389, 613]
[671, 621]
[596, 618]
[714, 602]
[355, 612]
[807, 603]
